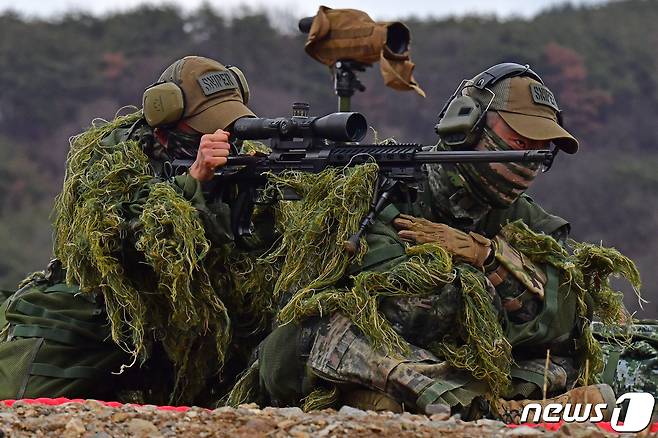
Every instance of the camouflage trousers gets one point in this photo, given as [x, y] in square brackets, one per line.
[55, 341]
[296, 359]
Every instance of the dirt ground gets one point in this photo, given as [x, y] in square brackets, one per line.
[97, 420]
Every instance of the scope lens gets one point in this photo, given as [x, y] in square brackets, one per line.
[356, 127]
[397, 38]
[305, 24]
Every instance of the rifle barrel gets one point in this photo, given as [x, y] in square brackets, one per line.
[534, 156]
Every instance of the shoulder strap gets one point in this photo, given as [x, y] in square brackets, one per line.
[611, 366]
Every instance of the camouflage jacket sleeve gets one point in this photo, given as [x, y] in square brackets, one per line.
[519, 282]
[521, 286]
[216, 216]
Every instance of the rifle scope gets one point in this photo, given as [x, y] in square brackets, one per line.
[342, 127]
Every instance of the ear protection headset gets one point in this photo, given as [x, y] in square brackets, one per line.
[462, 118]
[163, 103]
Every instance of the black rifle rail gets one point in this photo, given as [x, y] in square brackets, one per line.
[400, 171]
[386, 156]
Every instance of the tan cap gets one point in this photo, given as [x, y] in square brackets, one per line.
[529, 108]
[213, 97]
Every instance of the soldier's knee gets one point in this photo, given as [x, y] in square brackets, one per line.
[282, 358]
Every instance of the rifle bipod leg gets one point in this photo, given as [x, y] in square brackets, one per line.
[380, 200]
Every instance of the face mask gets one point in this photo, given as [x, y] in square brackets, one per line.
[497, 184]
[183, 145]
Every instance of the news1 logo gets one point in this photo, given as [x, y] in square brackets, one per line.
[638, 412]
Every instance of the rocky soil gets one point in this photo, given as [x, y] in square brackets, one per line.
[97, 420]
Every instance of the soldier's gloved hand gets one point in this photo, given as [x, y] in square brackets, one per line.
[213, 150]
[471, 247]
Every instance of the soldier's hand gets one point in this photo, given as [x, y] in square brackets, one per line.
[213, 150]
[469, 247]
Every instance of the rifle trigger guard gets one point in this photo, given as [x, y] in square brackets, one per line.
[167, 170]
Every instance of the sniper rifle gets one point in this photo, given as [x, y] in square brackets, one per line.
[313, 144]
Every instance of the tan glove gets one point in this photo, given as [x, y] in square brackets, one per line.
[471, 247]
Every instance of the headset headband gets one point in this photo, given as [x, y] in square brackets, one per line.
[502, 71]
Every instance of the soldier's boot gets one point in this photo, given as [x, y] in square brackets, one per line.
[368, 400]
[510, 411]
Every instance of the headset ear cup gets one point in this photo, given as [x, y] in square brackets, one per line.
[461, 125]
[242, 82]
[163, 104]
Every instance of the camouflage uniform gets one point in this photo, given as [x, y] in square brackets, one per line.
[534, 314]
[336, 351]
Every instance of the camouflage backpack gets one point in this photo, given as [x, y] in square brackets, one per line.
[54, 341]
[630, 366]
[4, 294]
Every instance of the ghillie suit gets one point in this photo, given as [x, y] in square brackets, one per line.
[153, 255]
[150, 261]
[584, 274]
[403, 306]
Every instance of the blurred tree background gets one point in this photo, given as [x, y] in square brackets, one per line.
[56, 75]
